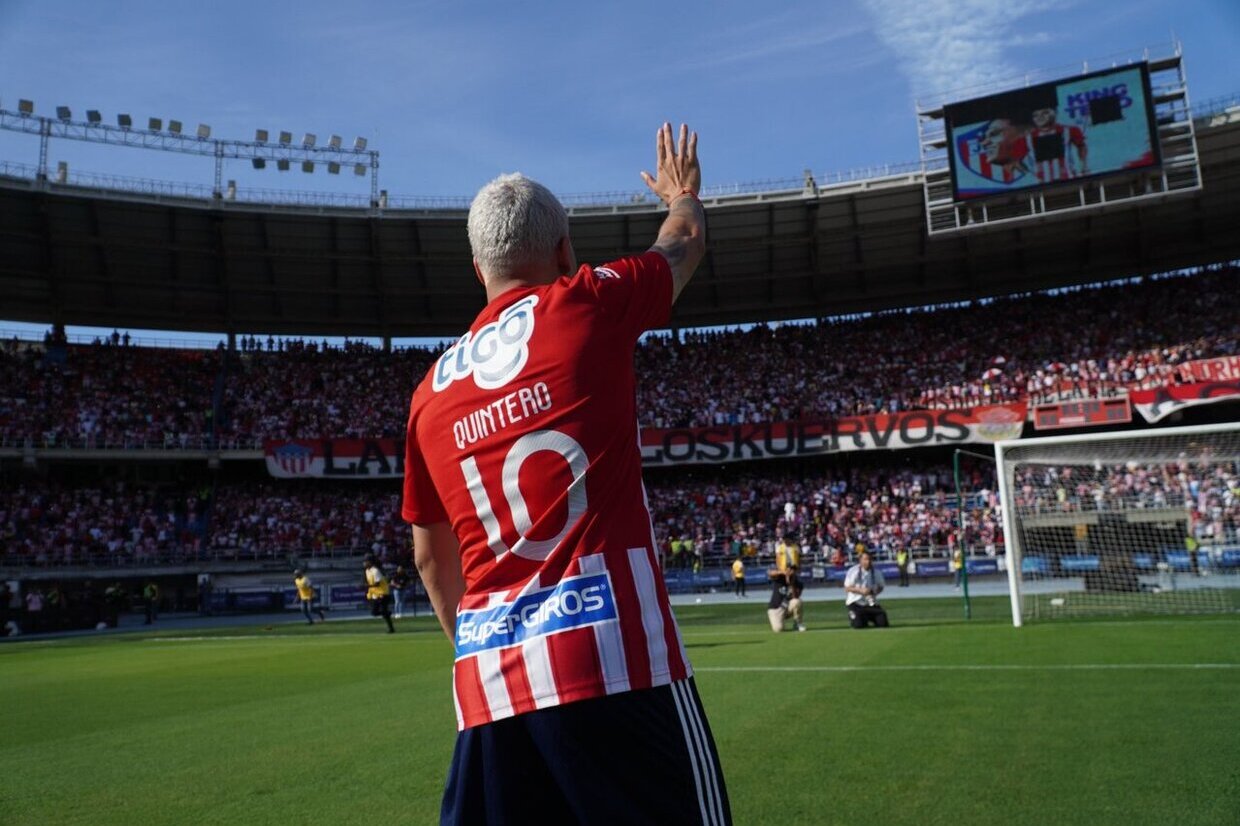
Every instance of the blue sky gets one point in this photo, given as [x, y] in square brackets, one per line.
[454, 93]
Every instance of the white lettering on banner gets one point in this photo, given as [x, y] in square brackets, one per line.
[495, 355]
[537, 549]
[521, 403]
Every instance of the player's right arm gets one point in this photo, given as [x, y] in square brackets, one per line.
[437, 556]
[677, 179]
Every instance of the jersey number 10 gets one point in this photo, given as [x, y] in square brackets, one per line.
[536, 549]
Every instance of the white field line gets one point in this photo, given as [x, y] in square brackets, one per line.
[689, 632]
[270, 637]
[989, 667]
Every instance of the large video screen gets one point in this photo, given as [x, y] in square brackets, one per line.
[1066, 130]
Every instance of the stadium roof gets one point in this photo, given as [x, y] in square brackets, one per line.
[102, 258]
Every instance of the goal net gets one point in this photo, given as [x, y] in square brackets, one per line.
[1137, 522]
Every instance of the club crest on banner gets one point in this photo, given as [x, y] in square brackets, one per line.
[997, 424]
[293, 458]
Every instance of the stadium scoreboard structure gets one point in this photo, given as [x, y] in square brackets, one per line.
[1096, 140]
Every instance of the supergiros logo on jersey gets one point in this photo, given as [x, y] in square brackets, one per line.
[575, 602]
[495, 355]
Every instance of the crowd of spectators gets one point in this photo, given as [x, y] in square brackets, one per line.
[1087, 342]
[1083, 343]
[1208, 491]
[46, 524]
[109, 394]
[309, 391]
[701, 516]
[307, 518]
[831, 516]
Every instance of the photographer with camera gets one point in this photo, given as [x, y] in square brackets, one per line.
[862, 585]
[785, 602]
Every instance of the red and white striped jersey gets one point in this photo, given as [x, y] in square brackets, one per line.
[523, 436]
[1067, 165]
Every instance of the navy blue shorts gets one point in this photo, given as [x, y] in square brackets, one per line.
[639, 757]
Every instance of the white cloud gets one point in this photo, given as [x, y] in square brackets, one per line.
[954, 45]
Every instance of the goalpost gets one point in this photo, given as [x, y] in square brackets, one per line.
[1118, 523]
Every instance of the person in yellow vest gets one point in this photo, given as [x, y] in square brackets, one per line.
[787, 554]
[305, 593]
[378, 592]
[738, 575]
[1192, 546]
[150, 600]
[902, 564]
[958, 565]
[678, 548]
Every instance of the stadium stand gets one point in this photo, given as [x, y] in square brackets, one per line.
[1105, 341]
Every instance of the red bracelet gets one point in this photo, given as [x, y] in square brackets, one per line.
[681, 194]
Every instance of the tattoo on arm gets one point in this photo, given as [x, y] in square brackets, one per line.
[677, 241]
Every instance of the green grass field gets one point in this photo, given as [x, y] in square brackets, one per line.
[933, 721]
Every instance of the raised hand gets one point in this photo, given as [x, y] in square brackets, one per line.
[676, 165]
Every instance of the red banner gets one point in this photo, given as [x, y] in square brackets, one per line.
[1087, 413]
[917, 428]
[385, 458]
[336, 458]
[1225, 368]
[1155, 405]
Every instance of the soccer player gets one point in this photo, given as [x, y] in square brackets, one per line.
[305, 592]
[1053, 147]
[1003, 150]
[378, 592]
[575, 700]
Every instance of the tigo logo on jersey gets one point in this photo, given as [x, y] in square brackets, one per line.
[495, 355]
[575, 602]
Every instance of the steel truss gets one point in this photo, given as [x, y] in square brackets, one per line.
[349, 159]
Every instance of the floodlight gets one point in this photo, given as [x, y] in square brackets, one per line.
[259, 163]
[154, 124]
[124, 121]
[359, 169]
[286, 137]
[62, 172]
[307, 166]
[26, 107]
[93, 116]
[174, 126]
[63, 113]
[334, 141]
[204, 131]
[333, 168]
[309, 139]
[359, 144]
[282, 164]
[260, 135]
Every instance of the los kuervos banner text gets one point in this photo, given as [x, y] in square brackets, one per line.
[384, 458]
